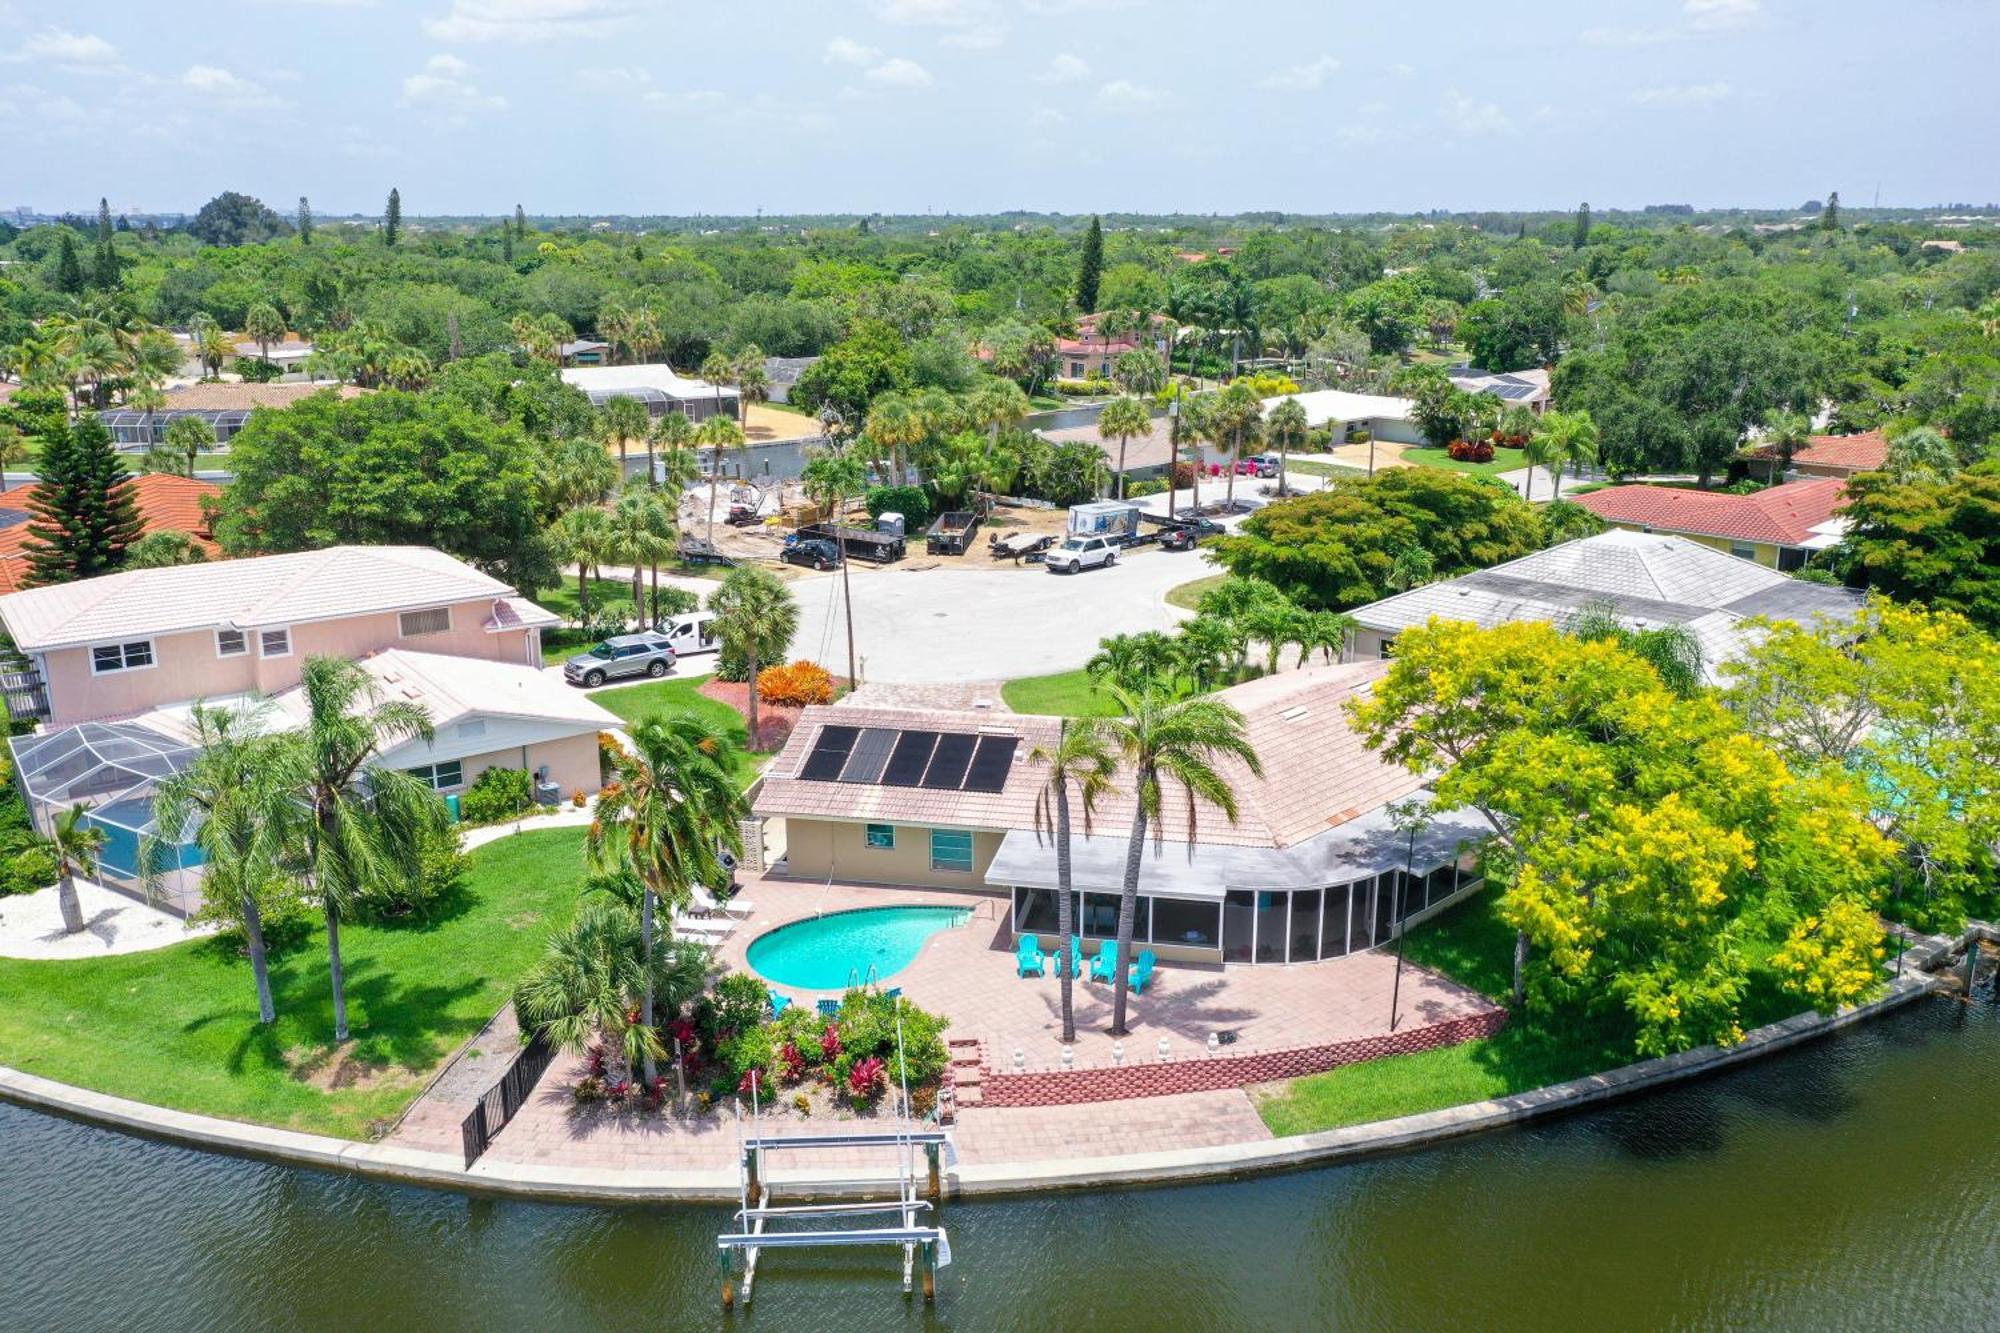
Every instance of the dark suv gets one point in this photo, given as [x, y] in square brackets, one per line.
[621, 655]
[813, 552]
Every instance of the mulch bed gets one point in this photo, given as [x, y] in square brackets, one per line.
[775, 721]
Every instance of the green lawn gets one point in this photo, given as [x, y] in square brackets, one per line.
[1312, 467]
[1504, 460]
[1187, 596]
[177, 1026]
[1065, 694]
[681, 695]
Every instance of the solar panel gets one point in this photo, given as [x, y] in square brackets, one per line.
[947, 770]
[911, 758]
[13, 518]
[829, 753]
[871, 755]
[990, 764]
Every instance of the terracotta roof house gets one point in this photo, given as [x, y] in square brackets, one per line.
[1646, 580]
[117, 663]
[165, 503]
[1779, 526]
[1312, 867]
[1146, 456]
[1836, 455]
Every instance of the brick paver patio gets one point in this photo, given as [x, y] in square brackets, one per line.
[968, 974]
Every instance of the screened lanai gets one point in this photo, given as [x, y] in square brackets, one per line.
[114, 767]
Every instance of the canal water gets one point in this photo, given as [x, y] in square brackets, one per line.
[1849, 1184]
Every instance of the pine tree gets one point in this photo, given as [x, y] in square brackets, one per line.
[1090, 269]
[305, 222]
[1829, 218]
[507, 242]
[520, 224]
[392, 219]
[82, 514]
[104, 259]
[69, 271]
[1582, 236]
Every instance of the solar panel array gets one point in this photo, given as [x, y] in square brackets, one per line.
[935, 761]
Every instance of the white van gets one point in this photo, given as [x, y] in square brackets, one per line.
[691, 633]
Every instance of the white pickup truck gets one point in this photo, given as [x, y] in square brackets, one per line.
[691, 633]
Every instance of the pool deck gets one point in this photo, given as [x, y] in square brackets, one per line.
[968, 974]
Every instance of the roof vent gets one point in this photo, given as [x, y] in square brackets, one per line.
[1294, 714]
[982, 705]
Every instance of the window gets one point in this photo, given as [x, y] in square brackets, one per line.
[109, 657]
[469, 729]
[231, 643]
[1386, 649]
[441, 777]
[1175, 921]
[274, 643]
[1743, 550]
[951, 849]
[882, 837]
[1035, 911]
[414, 624]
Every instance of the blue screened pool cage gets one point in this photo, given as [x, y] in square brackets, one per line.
[114, 767]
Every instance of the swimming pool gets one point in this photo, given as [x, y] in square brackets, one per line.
[826, 952]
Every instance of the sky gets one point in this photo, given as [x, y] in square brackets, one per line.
[907, 106]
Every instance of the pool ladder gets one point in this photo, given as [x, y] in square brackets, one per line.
[855, 981]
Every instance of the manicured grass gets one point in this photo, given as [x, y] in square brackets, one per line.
[1187, 596]
[1065, 694]
[1504, 460]
[178, 1026]
[1312, 467]
[678, 696]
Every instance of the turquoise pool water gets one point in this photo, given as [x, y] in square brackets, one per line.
[824, 953]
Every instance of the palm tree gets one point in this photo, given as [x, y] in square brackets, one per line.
[366, 822]
[753, 381]
[830, 478]
[1323, 631]
[186, 440]
[1569, 440]
[1787, 433]
[265, 326]
[754, 611]
[592, 978]
[576, 472]
[1240, 418]
[994, 404]
[231, 805]
[1149, 659]
[897, 426]
[1287, 428]
[669, 814]
[622, 421]
[716, 435]
[77, 843]
[1121, 419]
[643, 534]
[673, 436]
[585, 535]
[1082, 759]
[1167, 741]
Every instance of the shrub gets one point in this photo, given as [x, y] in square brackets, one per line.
[1138, 490]
[1085, 388]
[912, 502]
[497, 794]
[773, 730]
[802, 1103]
[738, 1003]
[254, 371]
[668, 601]
[1471, 451]
[864, 1078]
[799, 684]
[38, 412]
[440, 876]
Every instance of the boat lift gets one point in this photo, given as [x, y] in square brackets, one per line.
[911, 1222]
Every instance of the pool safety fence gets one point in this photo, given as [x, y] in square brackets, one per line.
[499, 1103]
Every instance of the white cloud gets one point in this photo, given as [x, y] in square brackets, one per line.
[1626, 36]
[931, 13]
[1046, 117]
[77, 52]
[1127, 95]
[1402, 71]
[692, 99]
[445, 83]
[218, 83]
[1722, 15]
[975, 39]
[530, 20]
[898, 72]
[1303, 78]
[1064, 69]
[1470, 117]
[1686, 94]
[614, 78]
[847, 51]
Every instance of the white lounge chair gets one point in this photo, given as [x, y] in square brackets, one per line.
[707, 929]
[707, 903]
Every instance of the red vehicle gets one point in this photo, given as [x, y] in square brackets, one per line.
[1246, 467]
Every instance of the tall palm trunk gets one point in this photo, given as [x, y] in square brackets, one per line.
[714, 484]
[1065, 914]
[260, 966]
[582, 588]
[638, 587]
[1235, 452]
[646, 931]
[336, 975]
[72, 910]
[1128, 910]
[1520, 966]
[1121, 467]
[752, 709]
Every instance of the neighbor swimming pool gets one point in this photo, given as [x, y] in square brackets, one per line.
[827, 952]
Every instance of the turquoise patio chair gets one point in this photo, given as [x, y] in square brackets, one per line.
[1104, 967]
[779, 1003]
[830, 1008]
[1075, 957]
[1142, 972]
[1028, 957]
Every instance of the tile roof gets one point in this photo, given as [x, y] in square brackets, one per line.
[242, 397]
[1786, 515]
[1152, 449]
[1866, 452]
[1325, 405]
[262, 590]
[165, 503]
[1317, 774]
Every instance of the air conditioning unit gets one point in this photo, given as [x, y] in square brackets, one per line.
[548, 793]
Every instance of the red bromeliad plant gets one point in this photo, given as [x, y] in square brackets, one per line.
[865, 1079]
[794, 1062]
[829, 1042]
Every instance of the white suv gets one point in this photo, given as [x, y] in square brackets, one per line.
[1080, 553]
